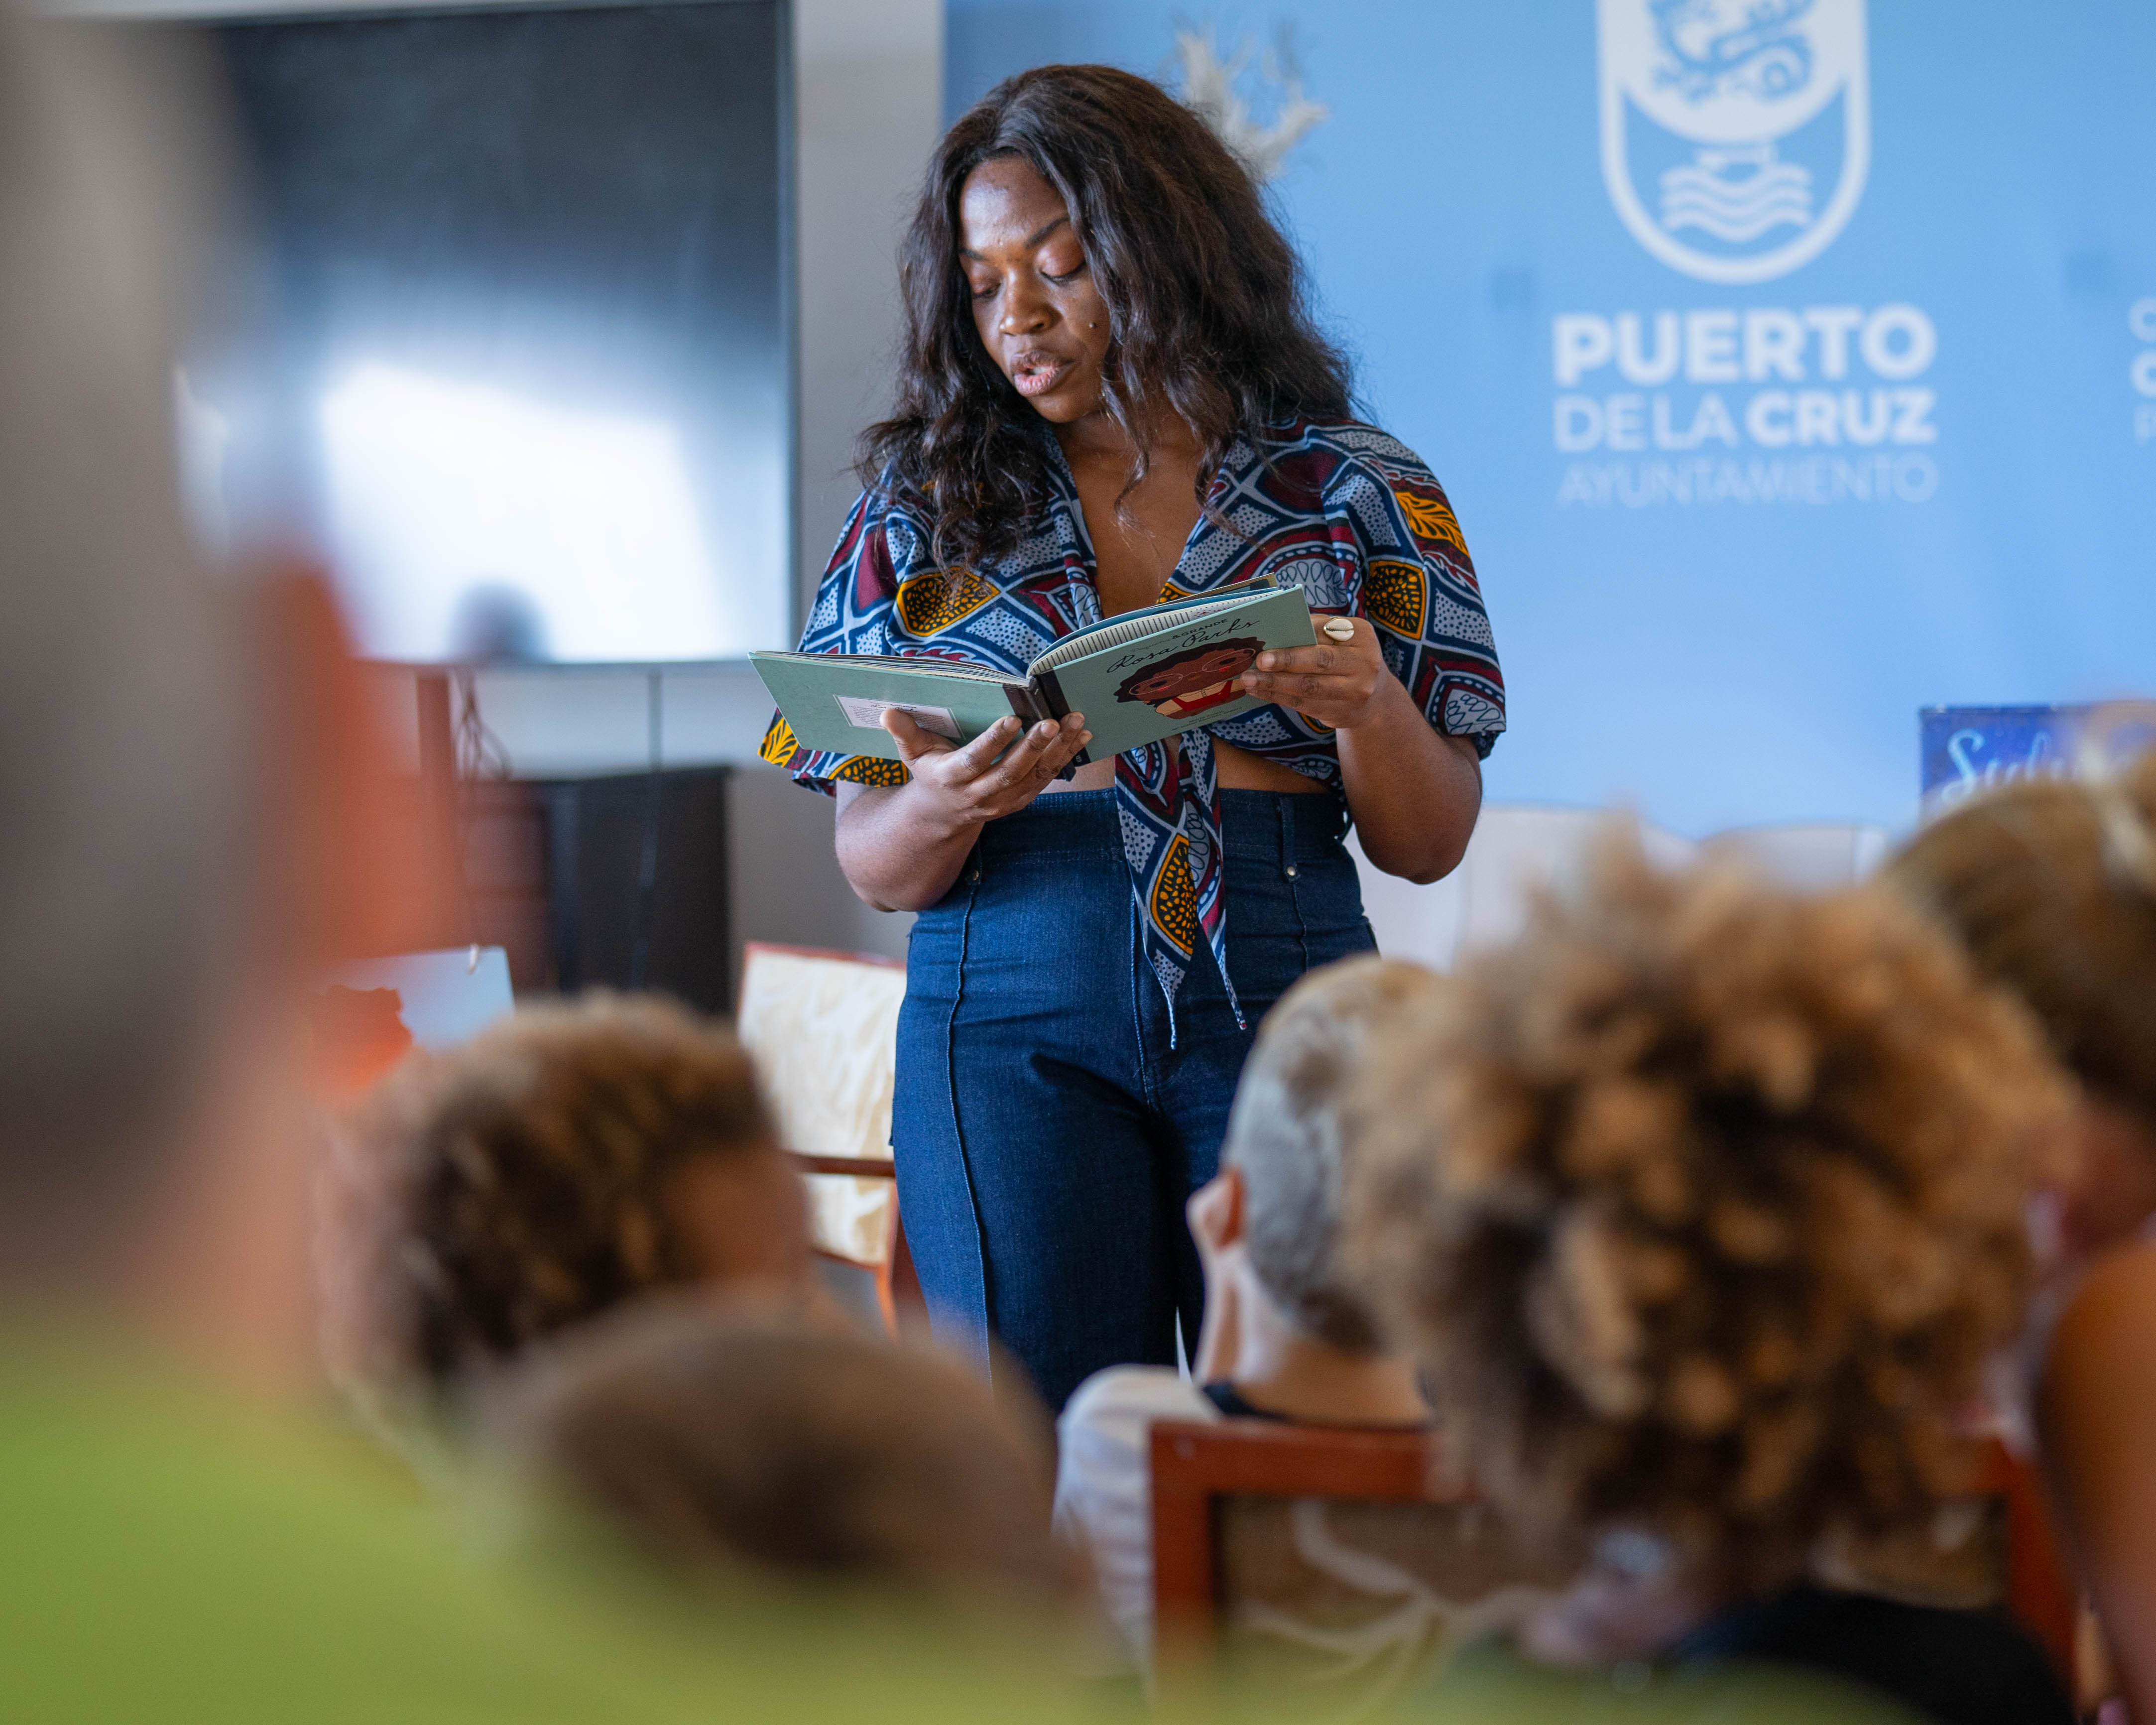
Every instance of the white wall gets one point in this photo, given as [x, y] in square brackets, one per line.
[868, 75]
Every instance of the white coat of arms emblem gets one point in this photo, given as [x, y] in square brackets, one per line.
[1736, 134]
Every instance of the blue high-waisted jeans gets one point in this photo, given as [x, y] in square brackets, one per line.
[1047, 1136]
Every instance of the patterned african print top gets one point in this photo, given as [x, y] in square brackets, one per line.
[1340, 509]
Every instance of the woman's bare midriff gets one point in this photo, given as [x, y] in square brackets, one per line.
[1238, 770]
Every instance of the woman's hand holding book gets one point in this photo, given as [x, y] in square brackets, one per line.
[998, 773]
[1340, 683]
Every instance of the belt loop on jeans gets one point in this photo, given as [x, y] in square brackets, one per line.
[1287, 834]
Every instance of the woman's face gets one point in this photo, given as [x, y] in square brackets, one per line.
[1038, 313]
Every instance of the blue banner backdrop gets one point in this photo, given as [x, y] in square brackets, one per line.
[1792, 365]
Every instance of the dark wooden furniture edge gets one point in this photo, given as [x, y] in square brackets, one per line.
[855, 1167]
[877, 959]
[2041, 1594]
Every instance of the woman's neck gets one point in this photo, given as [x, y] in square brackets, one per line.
[1099, 437]
[1283, 1369]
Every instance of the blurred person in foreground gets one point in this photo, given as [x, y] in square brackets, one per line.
[2050, 885]
[182, 841]
[562, 1163]
[175, 855]
[1701, 1206]
[1283, 1339]
[738, 1436]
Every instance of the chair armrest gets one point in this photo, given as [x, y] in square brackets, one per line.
[857, 1167]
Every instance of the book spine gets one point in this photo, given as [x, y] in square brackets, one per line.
[1051, 699]
[1024, 704]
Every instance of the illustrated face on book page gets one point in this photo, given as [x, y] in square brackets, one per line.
[1192, 680]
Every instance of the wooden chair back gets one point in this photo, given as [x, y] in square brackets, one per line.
[1195, 1466]
[1200, 1470]
[1325, 1554]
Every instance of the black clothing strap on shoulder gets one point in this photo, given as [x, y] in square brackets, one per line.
[1225, 1396]
[1958, 1667]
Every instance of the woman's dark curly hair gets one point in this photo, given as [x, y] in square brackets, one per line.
[1208, 315]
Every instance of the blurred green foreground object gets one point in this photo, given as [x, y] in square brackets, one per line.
[167, 1560]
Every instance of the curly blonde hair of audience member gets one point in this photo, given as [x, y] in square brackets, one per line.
[2051, 886]
[494, 1194]
[1702, 1206]
[742, 1435]
[1288, 1134]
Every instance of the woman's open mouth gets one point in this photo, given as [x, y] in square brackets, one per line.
[1037, 373]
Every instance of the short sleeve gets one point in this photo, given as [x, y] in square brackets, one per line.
[852, 613]
[1420, 592]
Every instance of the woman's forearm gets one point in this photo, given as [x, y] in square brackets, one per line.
[1414, 793]
[894, 853]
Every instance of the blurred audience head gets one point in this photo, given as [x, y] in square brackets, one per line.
[561, 1163]
[743, 1438]
[1702, 1206]
[1288, 1139]
[2049, 885]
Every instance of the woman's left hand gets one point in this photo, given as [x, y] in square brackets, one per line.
[1339, 684]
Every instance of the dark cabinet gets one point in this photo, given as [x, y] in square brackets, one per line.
[618, 881]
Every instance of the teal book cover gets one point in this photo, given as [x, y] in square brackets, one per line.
[1137, 678]
[837, 702]
[1146, 675]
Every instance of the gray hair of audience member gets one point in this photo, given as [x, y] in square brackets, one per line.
[746, 1437]
[1292, 1132]
[121, 781]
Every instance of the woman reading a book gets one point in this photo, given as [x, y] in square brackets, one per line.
[1113, 395]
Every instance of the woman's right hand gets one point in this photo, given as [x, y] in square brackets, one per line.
[901, 846]
[961, 789]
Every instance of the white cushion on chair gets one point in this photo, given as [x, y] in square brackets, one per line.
[1517, 849]
[1484, 902]
[823, 1030]
[1418, 923]
[1815, 856]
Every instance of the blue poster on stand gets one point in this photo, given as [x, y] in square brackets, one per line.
[1965, 750]
[1791, 364]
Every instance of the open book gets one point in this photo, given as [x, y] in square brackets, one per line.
[1137, 678]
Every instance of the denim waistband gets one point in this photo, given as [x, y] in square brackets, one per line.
[1299, 827]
